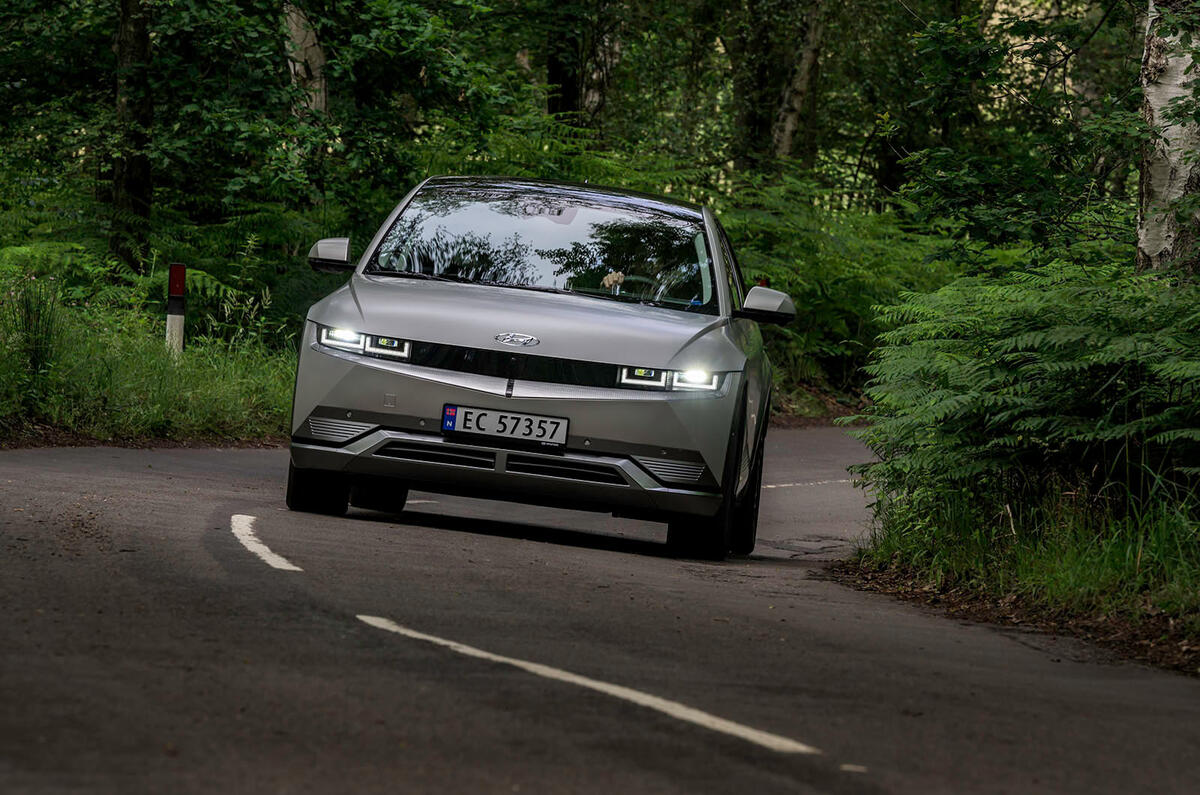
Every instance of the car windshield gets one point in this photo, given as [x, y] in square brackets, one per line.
[553, 238]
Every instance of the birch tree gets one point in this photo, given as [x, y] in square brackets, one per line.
[798, 93]
[1168, 222]
[773, 48]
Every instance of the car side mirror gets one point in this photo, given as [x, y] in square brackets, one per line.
[330, 255]
[765, 305]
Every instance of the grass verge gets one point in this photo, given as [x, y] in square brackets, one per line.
[1131, 583]
[107, 376]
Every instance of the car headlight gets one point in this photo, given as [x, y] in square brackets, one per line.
[696, 379]
[369, 344]
[644, 377]
[342, 339]
[647, 378]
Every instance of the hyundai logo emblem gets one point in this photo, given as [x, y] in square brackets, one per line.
[520, 340]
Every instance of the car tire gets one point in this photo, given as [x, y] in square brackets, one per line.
[710, 537]
[316, 491]
[386, 495]
[745, 521]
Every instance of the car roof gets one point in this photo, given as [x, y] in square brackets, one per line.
[550, 189]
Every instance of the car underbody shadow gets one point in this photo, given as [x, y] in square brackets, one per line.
[520, 530]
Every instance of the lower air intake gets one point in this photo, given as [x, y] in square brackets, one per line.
[673, 471]
[561, 468]
[328, 429]
[439, 454]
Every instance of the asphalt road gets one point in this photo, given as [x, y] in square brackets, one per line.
[485, 647]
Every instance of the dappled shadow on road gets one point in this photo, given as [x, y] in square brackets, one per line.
[526, 532]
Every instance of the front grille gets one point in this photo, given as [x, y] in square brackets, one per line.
[438, 454]
[519, 366]
[328, 429]
[562, 468]
[673, 471]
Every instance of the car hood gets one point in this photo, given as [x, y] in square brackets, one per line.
[567, 326]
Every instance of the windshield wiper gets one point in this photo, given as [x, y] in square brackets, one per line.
[541, 288]
[629, 299]
[446, 277]
[437, 277]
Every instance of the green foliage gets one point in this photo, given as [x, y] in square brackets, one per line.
[1016, 132]
[1037, 420]
[837, 266]
[246, 273]
[1035, 417]
[1035, 138]
[1061, 554]
[32, 338]
[1085, 374]
[1049, 411]
[108, 375]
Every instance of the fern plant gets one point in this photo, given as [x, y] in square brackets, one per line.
[1089, 375]
[1009, 407]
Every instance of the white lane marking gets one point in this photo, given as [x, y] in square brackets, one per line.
[672, 708]
[809, 483]
[854, 768]
[243, 527]
[420, 502]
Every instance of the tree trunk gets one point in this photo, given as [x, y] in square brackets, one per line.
[564, 70]
[605, 55]
[796, 102]
[749, 43]
[1170, 170]
[986, 9]
[133, 187]
[772, 78]
[306, 59]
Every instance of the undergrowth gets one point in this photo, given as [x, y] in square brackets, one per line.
[107, 374]
[1038, 434]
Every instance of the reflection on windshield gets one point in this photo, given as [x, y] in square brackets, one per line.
[554, 238]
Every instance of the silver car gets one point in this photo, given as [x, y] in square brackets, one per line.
[540, 342]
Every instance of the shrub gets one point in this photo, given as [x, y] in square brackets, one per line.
[1041, 421]
[838, 266]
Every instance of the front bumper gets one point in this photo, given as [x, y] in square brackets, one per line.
[571, 480]
[629, 452]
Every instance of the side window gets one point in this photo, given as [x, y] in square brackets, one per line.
[737, 289]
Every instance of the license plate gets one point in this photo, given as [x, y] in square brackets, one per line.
[507, 424]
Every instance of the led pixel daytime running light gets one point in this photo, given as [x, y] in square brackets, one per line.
[649, 378]
[357, 342]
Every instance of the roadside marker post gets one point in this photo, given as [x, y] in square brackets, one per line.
[176, 282]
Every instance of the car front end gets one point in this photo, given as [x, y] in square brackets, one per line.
[643, 436]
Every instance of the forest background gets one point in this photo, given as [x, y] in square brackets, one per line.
[986, 212]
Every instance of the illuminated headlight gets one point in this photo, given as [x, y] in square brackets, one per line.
[696, 379]
[370, 344]
[646, 378]
[343, 339]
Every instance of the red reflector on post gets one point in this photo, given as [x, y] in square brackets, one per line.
[176, 305]
[177, 280]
